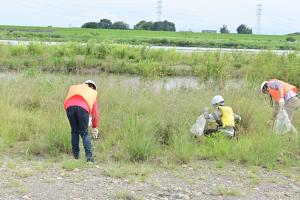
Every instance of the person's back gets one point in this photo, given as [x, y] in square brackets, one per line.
[227, 120]
[223, 116]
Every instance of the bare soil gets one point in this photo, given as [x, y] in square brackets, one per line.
[41, 179]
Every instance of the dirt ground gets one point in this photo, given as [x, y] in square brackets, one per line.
[39, 179]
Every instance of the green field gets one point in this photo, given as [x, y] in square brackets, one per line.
[149, 37]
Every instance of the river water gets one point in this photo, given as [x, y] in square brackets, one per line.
[155, 84]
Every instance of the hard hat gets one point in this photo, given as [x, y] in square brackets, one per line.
[262, 86]
[217, 100]
[91, 82]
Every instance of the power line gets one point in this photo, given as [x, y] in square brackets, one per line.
[259, 14]
[159, 10]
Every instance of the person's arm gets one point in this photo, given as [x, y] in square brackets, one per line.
[95, 114]
[214, 116]
[208, 116]
[275, 111]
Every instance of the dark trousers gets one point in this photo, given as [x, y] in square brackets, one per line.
[210, 132]
[79, 120]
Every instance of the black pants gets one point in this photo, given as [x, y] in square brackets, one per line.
[210, 132]
[79, 121]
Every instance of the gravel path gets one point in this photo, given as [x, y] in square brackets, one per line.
[200, 180]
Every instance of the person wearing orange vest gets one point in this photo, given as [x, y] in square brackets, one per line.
[283, 95]
[80, 103]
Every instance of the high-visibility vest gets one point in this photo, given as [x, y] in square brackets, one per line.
[83, 90]
[227, 118]
[286, 88]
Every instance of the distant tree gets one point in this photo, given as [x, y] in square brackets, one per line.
[143, 25]
[90, 25]
[224, 29]
[120, 25]
[105, 23]
[291, 39]
[243, 29]
[296, 33]
[163, 26]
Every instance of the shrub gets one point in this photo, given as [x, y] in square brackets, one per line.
[18, 50]
[183, 147]
[139, 142]
[291, 39]
[35, 49]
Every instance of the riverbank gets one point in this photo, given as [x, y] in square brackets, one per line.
[40, 179]
[141, 120]
[177, 48]
[148, 62]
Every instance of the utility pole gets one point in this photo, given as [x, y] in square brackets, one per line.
[259, 14]
[159, 10]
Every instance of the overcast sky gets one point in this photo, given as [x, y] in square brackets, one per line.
[278, 16]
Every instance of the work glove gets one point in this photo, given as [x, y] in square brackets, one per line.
[281, 102]
[95, 133]
[237, 119]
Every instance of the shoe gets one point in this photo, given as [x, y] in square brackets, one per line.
[90, 159]
[76, 157]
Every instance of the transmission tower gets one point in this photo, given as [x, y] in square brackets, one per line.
[159, 10]
[259, 14]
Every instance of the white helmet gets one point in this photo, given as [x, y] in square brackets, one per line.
[262, 86]
[91, 82]
[217, 100]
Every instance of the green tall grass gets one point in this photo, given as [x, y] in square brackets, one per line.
[142, 60]
[139, 122]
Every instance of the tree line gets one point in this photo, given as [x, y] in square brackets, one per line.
[142, 25]
[241, 29]
[153, 26]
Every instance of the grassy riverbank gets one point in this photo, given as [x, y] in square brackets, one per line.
[149, 37]
[76, 58]
[138, 123]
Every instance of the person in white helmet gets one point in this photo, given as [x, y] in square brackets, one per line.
[80, 103]
[224, 117]
[282, 94]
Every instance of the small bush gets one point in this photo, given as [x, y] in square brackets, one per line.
[101, 51]
[19, 50]
[32, 71]
[139, 142]
[35, 49]
[183, 147]
[291, 39]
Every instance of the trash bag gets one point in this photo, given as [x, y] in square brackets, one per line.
[198, 127]
[90, 120]
[282, 123]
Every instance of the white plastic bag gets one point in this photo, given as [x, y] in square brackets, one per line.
[198, 127]
[282, 123]
[90, 120]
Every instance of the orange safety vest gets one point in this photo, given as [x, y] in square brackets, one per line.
[83, 90]
[286, 88]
